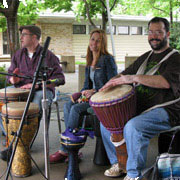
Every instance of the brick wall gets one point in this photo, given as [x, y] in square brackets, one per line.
[61, 37]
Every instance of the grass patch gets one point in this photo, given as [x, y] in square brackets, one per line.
[80, 62]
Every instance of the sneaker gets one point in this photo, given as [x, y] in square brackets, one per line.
[57, 157]
[114, 171]
[129, 178]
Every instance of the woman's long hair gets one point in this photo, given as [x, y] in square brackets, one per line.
[102, 49]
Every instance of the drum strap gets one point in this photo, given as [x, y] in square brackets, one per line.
[156, 67]
[151, 72]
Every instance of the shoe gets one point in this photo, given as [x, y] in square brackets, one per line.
[80, 157]
[129, 178]
[57, 157]
[6, 154]
[114, 171]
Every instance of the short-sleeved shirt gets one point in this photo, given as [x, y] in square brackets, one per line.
[28, 66]
[170, 70]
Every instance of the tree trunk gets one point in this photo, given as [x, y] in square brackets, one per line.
[13, 34]
[104, 20]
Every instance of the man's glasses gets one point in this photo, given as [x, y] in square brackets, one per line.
[25, 34]
[155, 33]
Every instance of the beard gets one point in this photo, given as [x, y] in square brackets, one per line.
[159, 46]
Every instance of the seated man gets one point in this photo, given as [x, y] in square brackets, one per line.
[156, 75]
[25, 61]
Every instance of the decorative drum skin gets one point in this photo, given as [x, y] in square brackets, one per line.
[114, 107]
[21, 165]
[13, 94]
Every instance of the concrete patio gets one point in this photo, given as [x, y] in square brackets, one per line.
[88, 170]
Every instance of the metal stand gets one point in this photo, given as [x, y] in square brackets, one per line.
[18, 133]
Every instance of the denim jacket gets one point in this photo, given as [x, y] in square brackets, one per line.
[105, 69]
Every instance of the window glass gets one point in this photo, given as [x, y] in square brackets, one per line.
[79, 29]
[136, 30]
[123, 29]
[5, 43]
[92, 27]
[113, 29]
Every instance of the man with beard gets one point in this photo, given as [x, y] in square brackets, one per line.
[156, 76]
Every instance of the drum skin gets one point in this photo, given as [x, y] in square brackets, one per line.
[114, 107]
[13, 94]
[21, 165]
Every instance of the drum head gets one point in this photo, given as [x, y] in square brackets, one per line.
[17, 109]
[14, 92]
[115, 93]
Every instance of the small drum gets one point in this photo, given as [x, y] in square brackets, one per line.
[114, 107]
[13, 94]
[21, 165]
[73, 140]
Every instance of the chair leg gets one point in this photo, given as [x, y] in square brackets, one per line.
[58, 117]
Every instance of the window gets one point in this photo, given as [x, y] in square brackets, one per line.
[136, 30]
[123, 30]
[6, 49]
[146, 30]
[92, 27]
[113, 29]
[79, 29]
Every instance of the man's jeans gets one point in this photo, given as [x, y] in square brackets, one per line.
[109, 147]
[137, 133]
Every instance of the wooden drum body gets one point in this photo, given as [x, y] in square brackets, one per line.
[12, 94]
[21, 165]
[114, 107]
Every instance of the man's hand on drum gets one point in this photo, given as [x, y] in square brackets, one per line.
[122, 79]
[14, 79]
[28, 86]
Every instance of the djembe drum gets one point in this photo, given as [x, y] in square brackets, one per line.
[73, 140]
[114, 107]
[21, 165]
[12, 94]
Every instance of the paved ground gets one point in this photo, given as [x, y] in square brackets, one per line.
[88, 169]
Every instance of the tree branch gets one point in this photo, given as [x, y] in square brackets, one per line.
[2, 10]
[88, 14]
[159, 9]
[104, 5]
[114, 3]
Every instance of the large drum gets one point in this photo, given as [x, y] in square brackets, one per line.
[12, 94]
[114, 107]
[21, 165]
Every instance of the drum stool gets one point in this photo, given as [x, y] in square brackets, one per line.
[92, 123]
[165, 138]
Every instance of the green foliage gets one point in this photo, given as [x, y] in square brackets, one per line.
[175, 36]
[3, 82]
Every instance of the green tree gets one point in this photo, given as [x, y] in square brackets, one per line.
[89, 9]
[14, 14]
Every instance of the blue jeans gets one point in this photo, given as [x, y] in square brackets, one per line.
[109, 147]
[137, 133]
[38, 95]
[71, 115]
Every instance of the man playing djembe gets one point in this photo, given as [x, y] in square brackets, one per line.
[156, 75]
[25, 61]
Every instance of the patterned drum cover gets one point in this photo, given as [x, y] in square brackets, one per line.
[21, 165]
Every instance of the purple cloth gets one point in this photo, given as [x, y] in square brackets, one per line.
[78, 136]
[28, 66]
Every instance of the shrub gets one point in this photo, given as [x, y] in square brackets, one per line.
[3, 81]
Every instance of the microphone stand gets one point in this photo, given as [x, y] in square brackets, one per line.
[35, 77]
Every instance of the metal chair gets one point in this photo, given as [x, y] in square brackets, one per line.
[165, 138]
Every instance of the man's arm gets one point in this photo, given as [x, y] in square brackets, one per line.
[154, 81]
